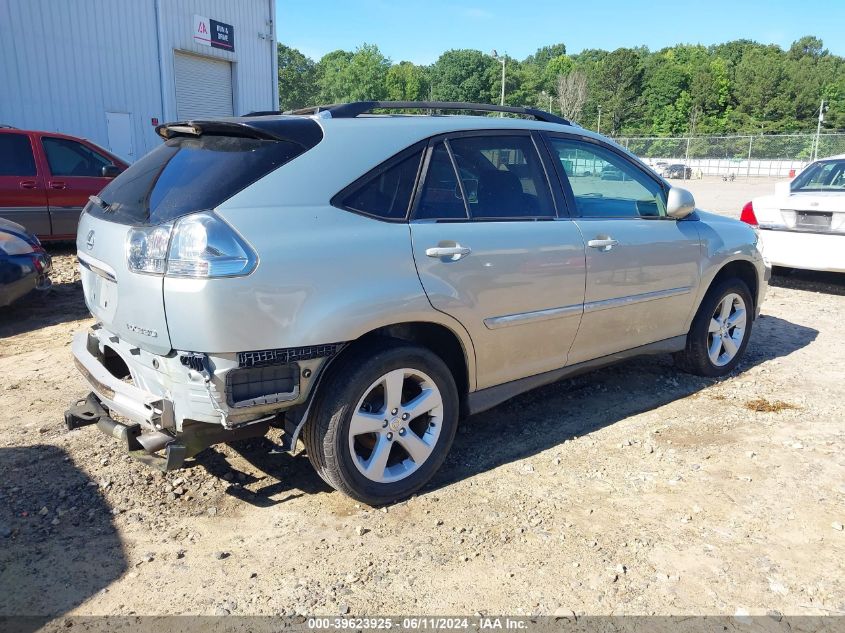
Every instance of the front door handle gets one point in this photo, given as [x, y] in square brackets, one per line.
[58, 184]
[28, 184]
[454, 253]
[604, 244]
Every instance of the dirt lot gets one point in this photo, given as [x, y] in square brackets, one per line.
[631, 490]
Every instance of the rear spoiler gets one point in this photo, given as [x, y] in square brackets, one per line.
[301, 131]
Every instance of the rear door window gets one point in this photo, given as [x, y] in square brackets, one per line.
[441, 198]
[16, 158]
[71, 158]
[503, 177]
[188, 174]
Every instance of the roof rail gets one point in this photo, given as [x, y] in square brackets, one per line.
[351, 110]
[7, 127]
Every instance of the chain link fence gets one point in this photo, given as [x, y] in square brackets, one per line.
[772, 155]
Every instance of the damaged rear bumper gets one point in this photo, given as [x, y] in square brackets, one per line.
[167, 408]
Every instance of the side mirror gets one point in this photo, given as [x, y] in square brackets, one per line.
[680, 203]
[110, 171]
[783, 189]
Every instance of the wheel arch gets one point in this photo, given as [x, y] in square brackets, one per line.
[453, 349]
[741, 268]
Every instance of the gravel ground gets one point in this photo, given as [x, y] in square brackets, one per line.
[632, 490]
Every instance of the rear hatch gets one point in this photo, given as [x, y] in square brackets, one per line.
[200, 165]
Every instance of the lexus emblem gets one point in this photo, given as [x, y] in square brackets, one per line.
[89, 241]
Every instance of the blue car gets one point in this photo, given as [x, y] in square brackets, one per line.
[24, 266]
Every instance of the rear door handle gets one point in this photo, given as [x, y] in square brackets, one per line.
[57, 184]
[604, 244]
[28, 184]
[452, 252]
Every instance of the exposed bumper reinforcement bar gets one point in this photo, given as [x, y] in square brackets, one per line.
[91, 411]
[149, 447]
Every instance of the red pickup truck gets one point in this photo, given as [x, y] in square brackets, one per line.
[46, 178]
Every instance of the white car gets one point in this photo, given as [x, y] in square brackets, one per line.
[803, 224]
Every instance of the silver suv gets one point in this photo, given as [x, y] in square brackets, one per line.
[363, 281]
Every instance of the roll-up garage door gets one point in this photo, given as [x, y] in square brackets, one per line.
[203, 87]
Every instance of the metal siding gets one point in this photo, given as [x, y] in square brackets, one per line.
[252, 59]
[203, 87]
[65, 64]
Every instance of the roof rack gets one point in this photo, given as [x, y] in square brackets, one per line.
[352, 110]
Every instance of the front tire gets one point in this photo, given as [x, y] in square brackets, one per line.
[384, 422]
[720, 330]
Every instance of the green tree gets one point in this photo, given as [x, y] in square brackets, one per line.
[297, 79]
[407, 82]
[618, 86]
[332, 74]
[464, 75]
[359, 76]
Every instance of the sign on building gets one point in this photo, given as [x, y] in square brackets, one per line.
[213, 33]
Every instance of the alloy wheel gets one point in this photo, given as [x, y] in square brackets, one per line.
[726, 331]
[395, 425]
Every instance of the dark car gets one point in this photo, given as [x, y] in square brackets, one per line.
[46, 179]
[24, 266]
[677, 171]
[610, 172]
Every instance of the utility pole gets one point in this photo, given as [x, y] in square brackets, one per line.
[543, 93]
[598, 126]
[503, 62]
[818, 131]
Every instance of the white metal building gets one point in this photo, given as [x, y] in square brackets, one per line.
[110, 70]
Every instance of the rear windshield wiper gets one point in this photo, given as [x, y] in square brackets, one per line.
[105, 206]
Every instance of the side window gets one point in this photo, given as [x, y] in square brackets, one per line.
[605, 185]
[69, 158]
[386, 194]
[441, 197]
[16, 157]
[502, 177]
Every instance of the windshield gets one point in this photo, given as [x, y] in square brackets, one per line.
[188, 174]
[825, 175]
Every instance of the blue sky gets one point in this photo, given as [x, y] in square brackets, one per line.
[420, 30]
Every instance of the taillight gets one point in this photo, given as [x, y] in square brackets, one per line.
[199, 245]
[747, 214]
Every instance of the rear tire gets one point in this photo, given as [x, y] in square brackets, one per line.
[383, 422]
[720, 330]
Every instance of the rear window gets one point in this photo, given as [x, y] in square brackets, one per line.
[188, 174]
[822, 176]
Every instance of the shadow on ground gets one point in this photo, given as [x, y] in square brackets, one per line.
[809, 280]
[43, 572]
[543, 418]
[63, 302]
[284, 477]
[526, 425]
